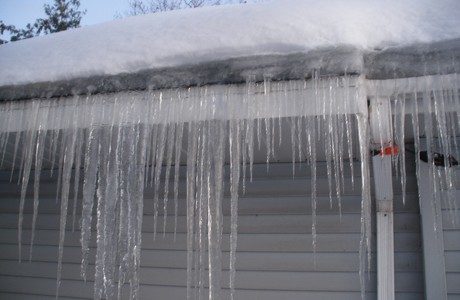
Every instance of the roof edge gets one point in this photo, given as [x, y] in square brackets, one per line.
[421, 59]
[416, 60]
[326, 61]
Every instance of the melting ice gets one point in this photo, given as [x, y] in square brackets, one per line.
[122, 143]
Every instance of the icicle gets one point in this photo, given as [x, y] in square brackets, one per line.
[101, 196]
[58, 108]
[311, 143]
[137, 201]
[67, 160]
[191, 173]
[177, 155]
[268, 140]
[17, 139]
[60, 166]
[89, 189]
[250, 143]
[5, 131]
[216, 194]
[169, 156]
[76, 184]
[430, 147]
[272, 140]
[445, 142]
[399, 128]
[158, 167]
[131, 153]
[127, 156]
[153, 147]
[111, 219]
[328, 151]
[350, 148]
[365, 241]
[299, 129]
[244, 150]
[337, 158]
[149, 150]
[107, 194]
[39, 150]
[293, 143]
[29, 143]
[234, 139]
[202, 197]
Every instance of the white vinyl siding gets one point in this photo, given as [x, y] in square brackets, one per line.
[274, 260]
[451, 230]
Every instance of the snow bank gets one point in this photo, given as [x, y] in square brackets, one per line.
[217, 33]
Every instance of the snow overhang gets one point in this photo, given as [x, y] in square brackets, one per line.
[280, 40]
[421, 59]
[415, 60]
[327, 61]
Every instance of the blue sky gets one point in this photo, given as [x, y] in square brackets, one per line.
[21, 12]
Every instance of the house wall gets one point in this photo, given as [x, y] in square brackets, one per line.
[274, 260]
[451, 235]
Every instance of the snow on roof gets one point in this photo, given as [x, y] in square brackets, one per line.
[216, 33]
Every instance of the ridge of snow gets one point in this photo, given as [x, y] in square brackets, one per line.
[220, 32]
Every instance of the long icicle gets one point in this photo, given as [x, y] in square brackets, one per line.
[177, 156]
[28, 152]
[217, 132]
[89, 191]
[235, 153]
[365, 241]
[78, 147]
[191, 173]
[169, 155]
[68, 159]
[39, 151]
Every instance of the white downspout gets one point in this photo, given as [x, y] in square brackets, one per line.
[432, 230]
[383, 148]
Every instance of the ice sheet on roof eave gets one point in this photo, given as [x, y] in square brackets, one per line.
[188, 37]
[325, 61]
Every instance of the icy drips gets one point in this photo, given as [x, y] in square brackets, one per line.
[426, 111]
[39, 151]
[137, 138]
[365, 241]
[235, 161]
[27, 157]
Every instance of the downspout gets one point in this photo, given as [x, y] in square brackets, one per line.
[432, 228]
[382, 152]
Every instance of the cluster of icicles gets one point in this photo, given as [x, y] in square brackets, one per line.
[123, 142]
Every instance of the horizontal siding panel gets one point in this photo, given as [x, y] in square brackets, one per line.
[18, 296]
[177, 293]
[347, 223]
[455, 197]
[344, 242]
[453, 283]
[246, 261]
[257, 204]
[258, 187]
[451, 219]
[46, 287]
[452, 259]
[452, 240]
[71, 291]
[266, 280]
